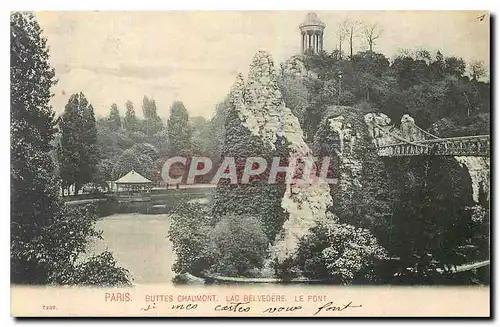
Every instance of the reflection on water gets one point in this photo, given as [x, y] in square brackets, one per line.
[140, 244]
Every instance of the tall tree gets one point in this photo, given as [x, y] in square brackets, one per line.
[114, 118]
[78, 154]
[32, 129]
[152, 123]
[200, 135]
[179, 131]
[88, 167]
[130, 121]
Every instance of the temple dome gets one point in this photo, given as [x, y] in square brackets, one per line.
[312, 20]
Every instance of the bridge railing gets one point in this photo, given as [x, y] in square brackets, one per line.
[458, 139]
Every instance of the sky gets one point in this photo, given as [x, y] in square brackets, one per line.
[194, 57]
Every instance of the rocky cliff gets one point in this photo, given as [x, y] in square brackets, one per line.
[261, 109]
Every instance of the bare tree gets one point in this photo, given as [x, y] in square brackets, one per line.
[342, 33]
[351, 30]
[371, 32]
[477, 70]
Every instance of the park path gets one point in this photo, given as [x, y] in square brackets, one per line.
[140, 244]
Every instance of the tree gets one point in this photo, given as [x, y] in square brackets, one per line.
[371, 33]
[477, 70]
[114, 119]
[431, 222]
[179, 131]
[216, 131]
[130, 121]
[88, 167]
[201, 135]
[152, 123]
[342, 33]
[78, 153]
[46, 237]
[34, 188]
[141, 157]
[351, 31]
[454, 66]
[160, 141]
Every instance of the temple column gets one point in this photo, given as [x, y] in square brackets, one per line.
[303, 42]
[315, 42]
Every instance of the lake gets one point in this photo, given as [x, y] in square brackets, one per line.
[139, 243]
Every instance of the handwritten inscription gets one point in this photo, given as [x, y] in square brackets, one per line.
[233, 307]
[149, 307]
[188, 306]
[245, 307]
[331, 307]
[282, 309]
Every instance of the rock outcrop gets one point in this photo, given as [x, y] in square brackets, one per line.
[383, 132]
[350, 165]
[295, 66]
[479, 171]
[379, 137]
[261, 109]
[409, 130]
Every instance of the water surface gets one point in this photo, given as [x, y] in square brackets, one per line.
[139, 243]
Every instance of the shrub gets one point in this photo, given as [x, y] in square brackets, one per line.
[239, 245]
[190, 236]
[99, 270]
[336, 252]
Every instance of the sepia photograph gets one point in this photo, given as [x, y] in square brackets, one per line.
[249, 163]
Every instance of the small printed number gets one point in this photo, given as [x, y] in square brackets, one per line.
[49, 307]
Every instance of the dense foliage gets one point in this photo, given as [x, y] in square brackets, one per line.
[190, 234]
[238, 245]
[179, 131]
[338, 253]
[77, 149]
[398, 220]
[419, 208]
[144, 144]
[427, 87]
[229, 245]
[47, 238]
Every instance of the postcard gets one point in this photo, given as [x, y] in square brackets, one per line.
[250, 164]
